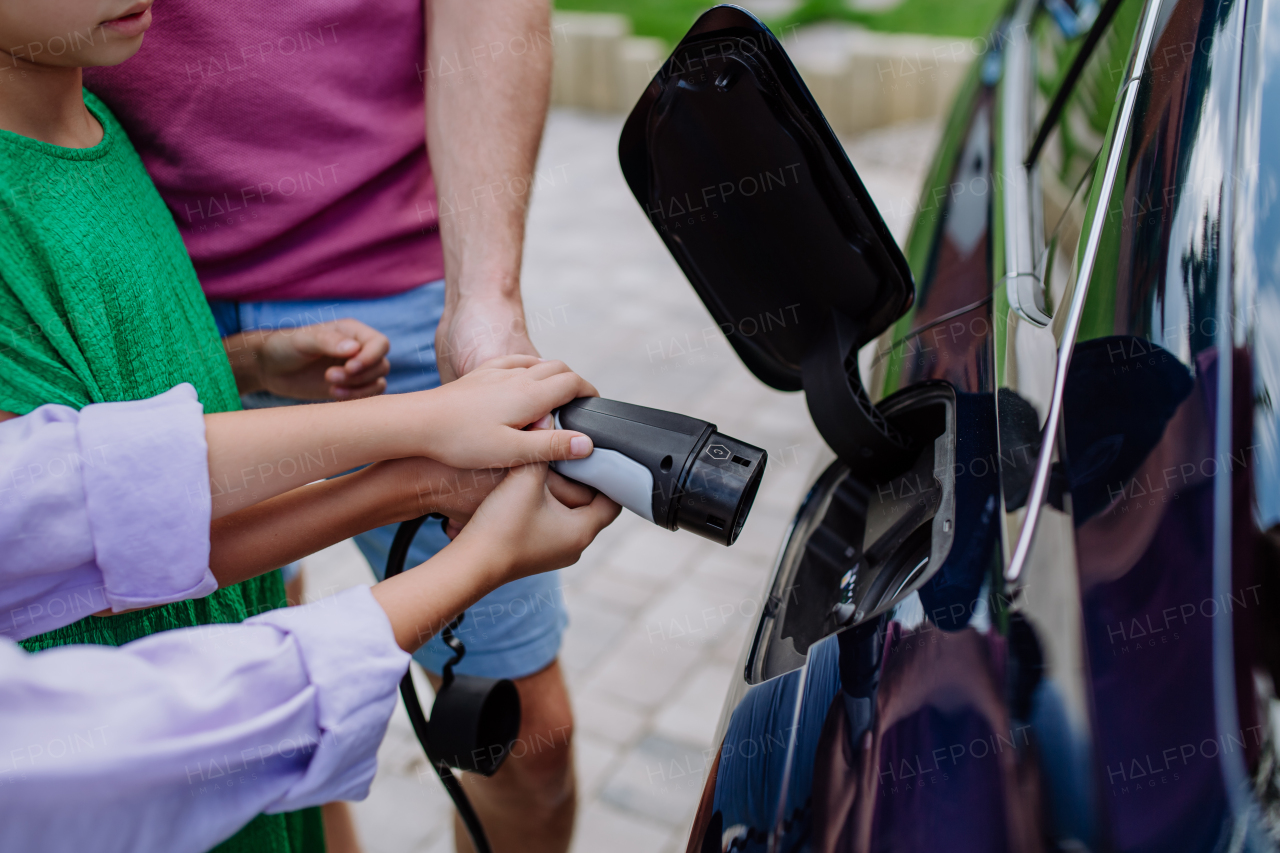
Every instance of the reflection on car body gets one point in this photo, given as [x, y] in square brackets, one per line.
[1043, 616]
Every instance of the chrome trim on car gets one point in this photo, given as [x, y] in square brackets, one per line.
[1021, 279]
[1049, 441]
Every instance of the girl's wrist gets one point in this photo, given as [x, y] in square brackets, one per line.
[409, 499]
[407, 423]
[490, 561]
[396, 498]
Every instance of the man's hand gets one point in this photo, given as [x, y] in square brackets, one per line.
[478, 328]
[341, 360]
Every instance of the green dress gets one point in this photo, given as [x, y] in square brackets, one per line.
[98, 303]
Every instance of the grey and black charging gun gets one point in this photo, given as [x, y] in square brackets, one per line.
[673, 470]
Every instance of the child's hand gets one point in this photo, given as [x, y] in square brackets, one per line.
[341, 360]
[566, 491]
[479, 421]
[521, 529]
[425, 486]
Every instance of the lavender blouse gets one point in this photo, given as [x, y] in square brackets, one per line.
[175, 741]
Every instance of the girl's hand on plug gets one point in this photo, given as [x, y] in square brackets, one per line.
[425, 486]
[421, 486]
[568, 492]
[479, 420]
[523, 529]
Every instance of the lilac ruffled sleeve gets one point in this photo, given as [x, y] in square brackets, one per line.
[105, 507]
[173, 742]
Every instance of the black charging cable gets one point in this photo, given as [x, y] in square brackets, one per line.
[395, 565]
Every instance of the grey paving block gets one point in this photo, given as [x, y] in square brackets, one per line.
[595, 627]
[606, 717]
[604, 828]
[594, 758]
[691, 715]
[644, 673]
[660, 779]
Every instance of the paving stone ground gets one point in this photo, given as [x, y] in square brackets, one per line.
[657, 619]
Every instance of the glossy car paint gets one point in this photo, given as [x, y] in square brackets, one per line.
[1113, 689]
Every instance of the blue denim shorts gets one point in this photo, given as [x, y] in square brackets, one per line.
[515, 630]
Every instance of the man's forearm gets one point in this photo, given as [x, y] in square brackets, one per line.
[484, 125]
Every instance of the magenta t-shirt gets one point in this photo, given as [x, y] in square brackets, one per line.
[288, 140]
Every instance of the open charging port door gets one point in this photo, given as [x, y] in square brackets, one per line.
[752, 193]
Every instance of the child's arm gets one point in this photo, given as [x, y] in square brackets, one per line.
[474, 422]
[300, 522]
[521, 529]
[146, 462]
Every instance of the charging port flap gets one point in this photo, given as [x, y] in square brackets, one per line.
[752, 193]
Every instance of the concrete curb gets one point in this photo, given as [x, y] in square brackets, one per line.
[861, 79]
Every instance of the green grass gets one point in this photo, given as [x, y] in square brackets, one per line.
[669, 19]
[666, 19]
[965, 18]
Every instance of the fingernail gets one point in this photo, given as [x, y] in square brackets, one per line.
[348, 346]
[580, 446]
[354, 366]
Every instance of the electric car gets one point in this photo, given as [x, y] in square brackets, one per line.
[1033, 603]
